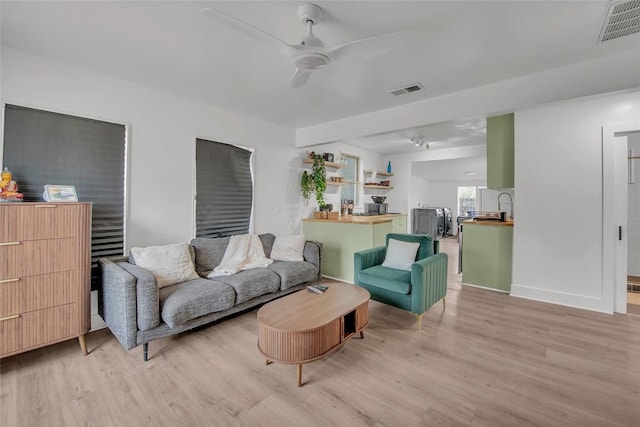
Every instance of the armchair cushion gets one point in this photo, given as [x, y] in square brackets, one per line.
[390, 279]
[426, 248]
[400, 255]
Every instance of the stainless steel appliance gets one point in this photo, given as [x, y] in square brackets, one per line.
[448, 222]
[428, 221]
[376, 208]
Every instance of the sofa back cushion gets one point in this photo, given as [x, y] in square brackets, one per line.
[209, 251]
[426, 248]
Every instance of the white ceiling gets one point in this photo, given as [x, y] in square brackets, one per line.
[467, 169]
[172, 46]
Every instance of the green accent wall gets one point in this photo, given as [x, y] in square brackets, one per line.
[500, 149]
[486, 255]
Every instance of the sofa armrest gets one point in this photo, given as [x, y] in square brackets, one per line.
[147, 296]
[428, 282]
[313, 253]
[367, 258]
[117, 302]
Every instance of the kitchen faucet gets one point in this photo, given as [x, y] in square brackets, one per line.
[510, 203]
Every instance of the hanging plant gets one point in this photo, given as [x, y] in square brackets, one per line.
[315, 181]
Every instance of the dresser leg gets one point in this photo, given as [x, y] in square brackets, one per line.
[299, 374]
[83, 344]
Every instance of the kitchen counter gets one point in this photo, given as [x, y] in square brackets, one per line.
[507, 223]
[357, 219]
[341, 238]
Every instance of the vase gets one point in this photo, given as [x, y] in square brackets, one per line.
[389, 167]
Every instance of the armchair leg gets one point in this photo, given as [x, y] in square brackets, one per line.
[419, 317]
[444, 303]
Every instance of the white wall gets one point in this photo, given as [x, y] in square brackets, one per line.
[163, 128]
[633, 221]
[557, 247]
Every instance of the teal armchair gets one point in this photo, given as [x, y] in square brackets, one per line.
[414, 291]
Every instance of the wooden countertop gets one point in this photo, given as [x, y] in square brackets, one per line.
[507, 223]
[350, 219]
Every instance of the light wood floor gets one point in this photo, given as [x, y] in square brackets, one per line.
[487, 360]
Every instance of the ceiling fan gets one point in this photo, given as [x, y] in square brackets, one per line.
[311, 54]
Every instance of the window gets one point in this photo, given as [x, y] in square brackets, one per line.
[349, 172]
[224, 189]
[468, 199]
[41, 147]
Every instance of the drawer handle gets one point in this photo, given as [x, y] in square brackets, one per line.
[46, 206]
[10, 280]
[9, 243]
[15, 316]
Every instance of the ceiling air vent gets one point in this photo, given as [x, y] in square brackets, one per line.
[622, 19]
[414, 87]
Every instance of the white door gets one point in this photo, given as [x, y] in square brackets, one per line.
[614, 214]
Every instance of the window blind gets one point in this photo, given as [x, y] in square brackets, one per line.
[41, 147]
[224, 189]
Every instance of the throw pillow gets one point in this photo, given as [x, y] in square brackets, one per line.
[400, 255]
[170, 264]
[288, 248]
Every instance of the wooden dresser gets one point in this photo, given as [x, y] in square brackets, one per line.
[44, 274]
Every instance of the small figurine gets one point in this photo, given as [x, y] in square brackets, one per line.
[9, 188]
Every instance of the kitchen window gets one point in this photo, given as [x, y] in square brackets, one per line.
[468, 199]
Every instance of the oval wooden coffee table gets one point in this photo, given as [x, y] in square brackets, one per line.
[305, 326]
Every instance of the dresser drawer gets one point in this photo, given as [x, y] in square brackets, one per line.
[34, 257]
[36, 221]
[38, 328]
[38, 292]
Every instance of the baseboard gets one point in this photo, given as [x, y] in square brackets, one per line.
[485, 288]
[559, 298]
[336, 279]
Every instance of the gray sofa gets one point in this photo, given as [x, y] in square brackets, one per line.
[137, 312]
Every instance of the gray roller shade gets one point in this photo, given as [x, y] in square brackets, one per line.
[41, 147]
[224, 189]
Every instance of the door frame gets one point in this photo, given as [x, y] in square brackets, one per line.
[614, 198]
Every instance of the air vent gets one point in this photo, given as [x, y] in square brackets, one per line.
[414, 87]
[622, 19]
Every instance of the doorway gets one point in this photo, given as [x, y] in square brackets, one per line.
[615, 230]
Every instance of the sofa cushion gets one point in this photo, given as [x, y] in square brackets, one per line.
[293, 273]
[387, 278]
[288, 248]
[209, 253]
[252, 283]
[188, 300]
[170, 264]
[267, 240]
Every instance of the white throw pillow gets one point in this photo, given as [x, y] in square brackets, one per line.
[288, 248]
[400, 255]
[170, 264]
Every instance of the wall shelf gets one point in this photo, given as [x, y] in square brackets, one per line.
[381, 173]
[379, 187]
[326, 164]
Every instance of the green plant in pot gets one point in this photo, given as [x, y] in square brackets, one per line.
[315, 181]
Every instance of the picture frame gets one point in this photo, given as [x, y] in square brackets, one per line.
[60, 193]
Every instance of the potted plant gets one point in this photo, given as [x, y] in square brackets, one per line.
[315, 181]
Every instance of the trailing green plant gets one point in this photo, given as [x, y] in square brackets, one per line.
[315, 181]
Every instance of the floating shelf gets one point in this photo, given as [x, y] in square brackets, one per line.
[326, 164]
[381, 173]
[379, 187]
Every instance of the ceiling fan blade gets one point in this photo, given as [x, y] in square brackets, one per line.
[250, 30]
[300, 78]
[373, 46]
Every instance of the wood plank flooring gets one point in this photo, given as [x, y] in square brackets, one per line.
[487, 360]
